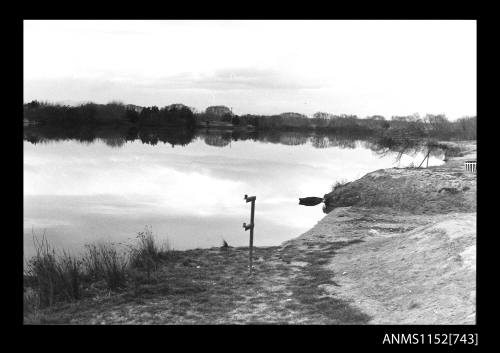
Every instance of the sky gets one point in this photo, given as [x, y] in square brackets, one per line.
[257, 67]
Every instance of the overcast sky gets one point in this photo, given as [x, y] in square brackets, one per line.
[261, 67]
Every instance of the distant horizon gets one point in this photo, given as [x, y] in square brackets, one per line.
[261, 67]
[198, 110]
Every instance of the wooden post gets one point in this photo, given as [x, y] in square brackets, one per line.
[250, 226]
[252, 212]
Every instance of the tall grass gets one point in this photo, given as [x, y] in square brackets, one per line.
[339, 184]
[102, 261]
[54, 276]
[146, 254]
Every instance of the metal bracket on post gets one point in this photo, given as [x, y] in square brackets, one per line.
[250, 226]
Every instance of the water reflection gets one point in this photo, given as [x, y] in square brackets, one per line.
[117, 181]
[117, 136]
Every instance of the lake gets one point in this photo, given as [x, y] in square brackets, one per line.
[191, 196]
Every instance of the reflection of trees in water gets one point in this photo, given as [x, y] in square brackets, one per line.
[317, 140]
[149, 138]
[342, 142]
[387, 146]
[34, 139]
[293, 138]
[239, 135]
[116, 136]
[320, 141]
[219, 140]
[132, 134]
[41, 133]
[172, 136]
[325, 141]
[411, 147]
[111, 136]
[290, 138]
[114, 142]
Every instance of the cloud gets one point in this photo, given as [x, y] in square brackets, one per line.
[261, 67]
[104, 87]
[235, 79]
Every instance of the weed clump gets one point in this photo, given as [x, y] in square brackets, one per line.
[338, 184]
[53, 276]
[103, 261]
[146, 254]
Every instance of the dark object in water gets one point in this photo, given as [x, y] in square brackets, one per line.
[310, 201]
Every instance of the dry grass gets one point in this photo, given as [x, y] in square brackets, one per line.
[338, 184]
[53, 277]
[213, 286]
[103, 261]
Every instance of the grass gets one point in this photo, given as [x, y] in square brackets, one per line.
[146, 254]
[408, 189]
[102, 261]
[211, 286]
[53, 276]
[309, 293]
[57, 276]
[338, 184]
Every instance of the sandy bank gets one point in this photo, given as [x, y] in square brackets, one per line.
[416, 259]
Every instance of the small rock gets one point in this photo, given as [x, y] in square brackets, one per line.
[197, 266]
[344, 273]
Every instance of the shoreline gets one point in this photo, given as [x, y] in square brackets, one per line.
[415, 264]
[398, 248]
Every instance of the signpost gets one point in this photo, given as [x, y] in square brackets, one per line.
[250, 226]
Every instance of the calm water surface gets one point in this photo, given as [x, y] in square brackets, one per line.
[191, 196]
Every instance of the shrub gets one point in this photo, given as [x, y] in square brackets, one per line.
[54, 277]
[339, 184]
[103, 261]
[146, 254]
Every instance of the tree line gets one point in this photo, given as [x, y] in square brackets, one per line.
[113, 113]
[180, 115]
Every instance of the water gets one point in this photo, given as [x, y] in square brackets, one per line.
[191, 196]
